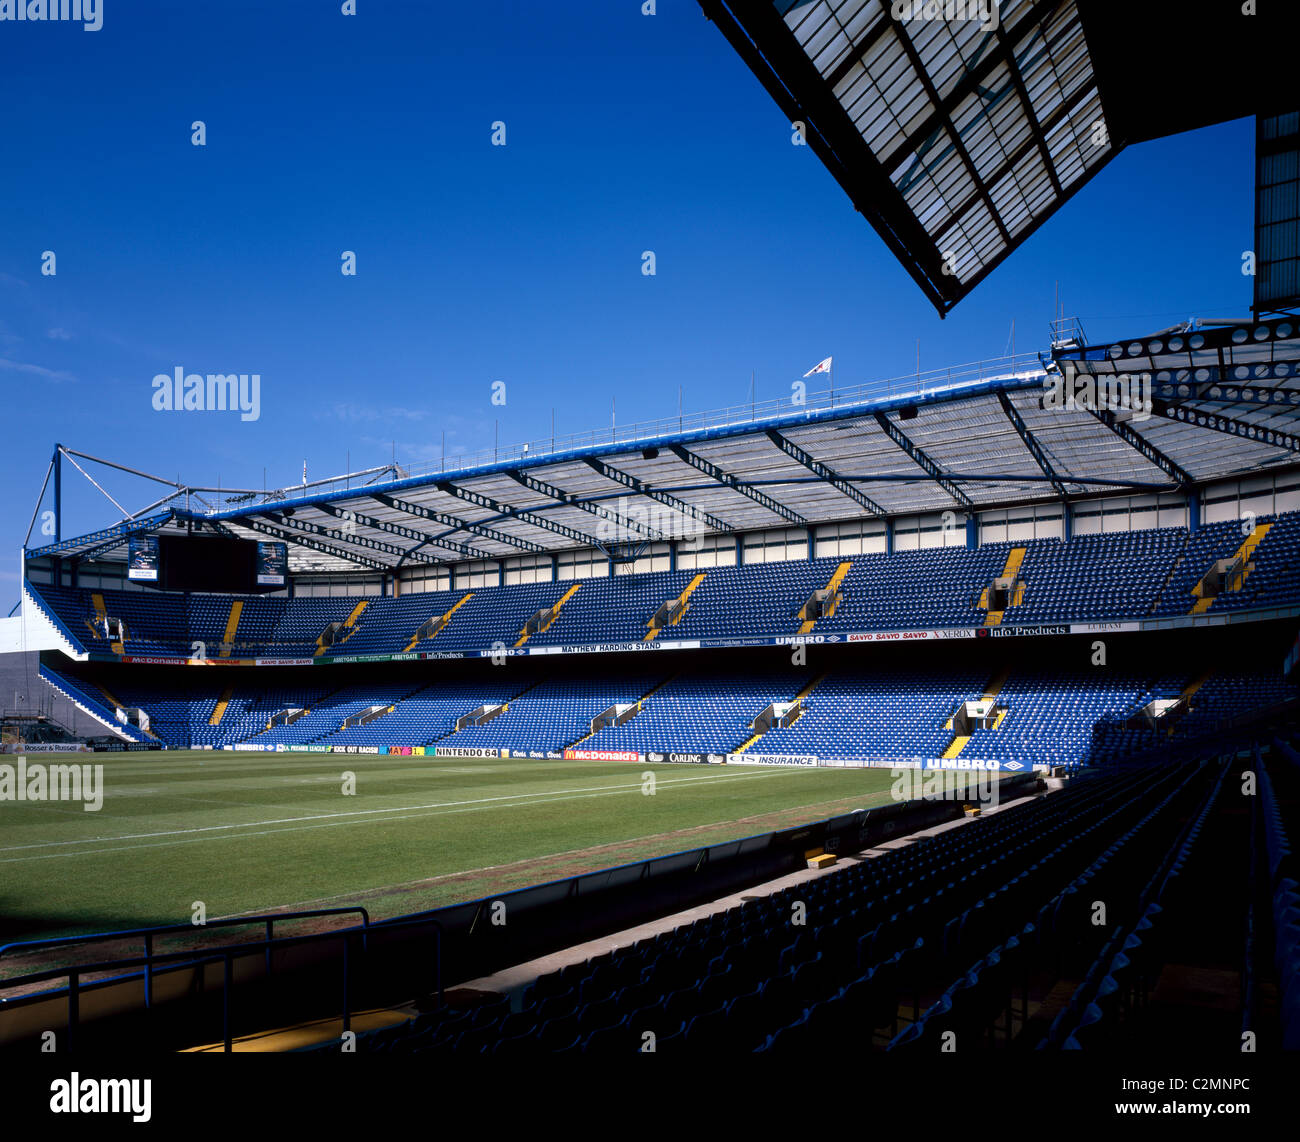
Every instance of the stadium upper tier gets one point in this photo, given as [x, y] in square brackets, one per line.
[1227, 566]
[1187, 413]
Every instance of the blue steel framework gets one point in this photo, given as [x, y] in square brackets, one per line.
[1225, 402]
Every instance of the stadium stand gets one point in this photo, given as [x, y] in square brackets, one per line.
[906, 948]
[1090, 578]
[1041, 715]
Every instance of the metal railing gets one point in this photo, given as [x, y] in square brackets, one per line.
[152, 960]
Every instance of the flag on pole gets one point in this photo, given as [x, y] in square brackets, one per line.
[824, 367]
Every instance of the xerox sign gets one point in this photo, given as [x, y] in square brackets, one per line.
[909, 635]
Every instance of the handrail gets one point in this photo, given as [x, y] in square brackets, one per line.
[162, 929]
[166, 929]
[227, 955]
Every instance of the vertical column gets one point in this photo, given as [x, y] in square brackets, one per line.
[972, 532]
[58, 494]
[1194, 511]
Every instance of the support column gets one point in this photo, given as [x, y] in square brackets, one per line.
[1193, 511]
[58, 494]
[1067, 521]
[972, 532]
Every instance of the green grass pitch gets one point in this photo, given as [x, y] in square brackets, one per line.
[254, 832]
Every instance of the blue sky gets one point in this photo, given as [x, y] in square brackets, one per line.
[476, 263]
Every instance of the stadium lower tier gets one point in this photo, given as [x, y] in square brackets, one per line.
[979, 938]
[1024, 709]
[1223, 567]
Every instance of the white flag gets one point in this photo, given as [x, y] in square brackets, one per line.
[824, 367]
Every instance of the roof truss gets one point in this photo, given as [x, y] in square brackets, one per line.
[729, 481]
[457, 524]
[350, 539]
[622, 522]
[644, 489]
[1031, 442]
[931, 469]
[314, 544]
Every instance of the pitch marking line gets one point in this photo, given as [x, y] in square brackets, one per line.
[402, 813]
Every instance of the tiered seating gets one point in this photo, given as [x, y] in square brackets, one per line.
[1279, 787]
[876, 716]
[1050, 715]
[1095, 577]
[1276, 577]
[916, 589]
[765, 598]
[179, 712]
[327, 715]
[427, 715]
[882, 937]
[92, 698]
[614, 610]
[552, 715]
[700, 714]
[1229, 692]
[1212, 542]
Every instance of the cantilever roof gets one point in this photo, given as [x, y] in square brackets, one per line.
[956, 138]
[1224, 402]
